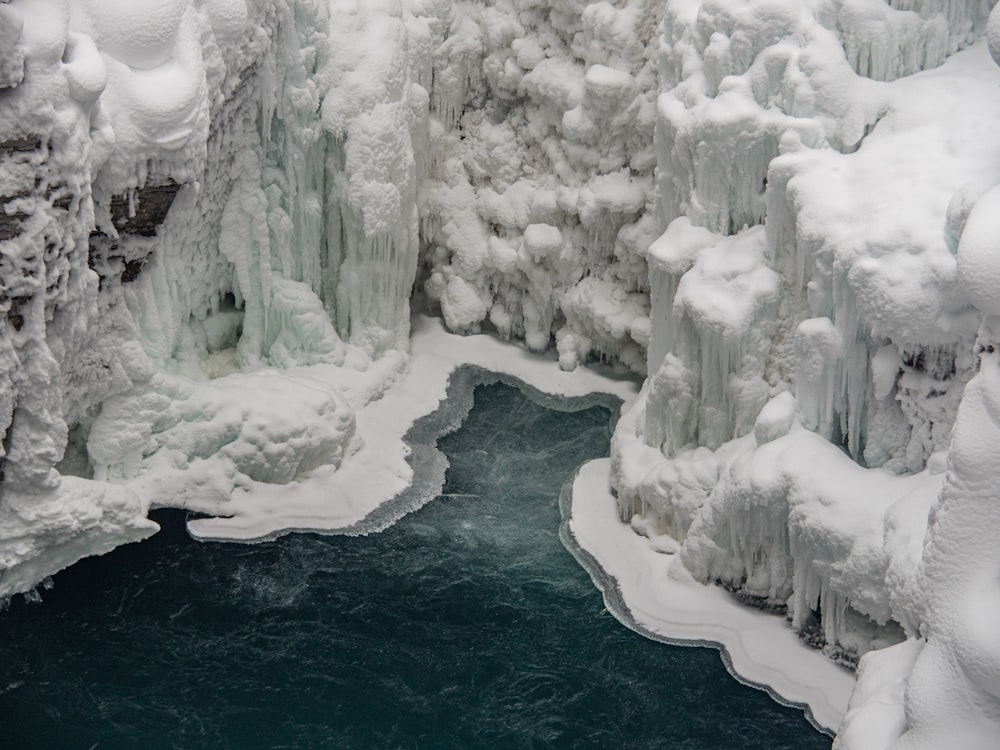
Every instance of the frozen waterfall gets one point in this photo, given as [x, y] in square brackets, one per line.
[222, 219]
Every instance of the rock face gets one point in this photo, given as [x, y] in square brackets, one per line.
[11, 220]
[139, 214]
[143, 212]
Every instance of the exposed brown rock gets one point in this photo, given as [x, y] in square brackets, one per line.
[150, 204]
[20, 145]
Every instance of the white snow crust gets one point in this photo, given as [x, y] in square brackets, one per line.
[216, 215]
[334, 498]
[654, 593]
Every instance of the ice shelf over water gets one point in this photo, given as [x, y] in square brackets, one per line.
[217, 218]
[648, 587]
[344, 498]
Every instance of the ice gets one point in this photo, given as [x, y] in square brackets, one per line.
[219, 216]
[378, 471]
[196, 445]
[717, 321]
[45, 531]
[775, 420]
[599, 317]
[858, 308]
[572, 150]
[952, 691]
[652, 592]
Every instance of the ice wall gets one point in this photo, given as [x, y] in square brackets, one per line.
[54, 332]
[810, 339]
[951, 695]
[211, 227]
[249, 187]
[537, 212]
[200, 261]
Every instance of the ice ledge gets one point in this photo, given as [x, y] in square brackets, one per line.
[345, 500]
[652, 593]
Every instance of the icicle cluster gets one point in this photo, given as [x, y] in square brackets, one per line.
[535, 216]
[805, 278]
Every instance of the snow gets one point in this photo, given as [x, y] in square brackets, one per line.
[330, 500]
[978, 270]
[47, 531]
[876, 715]
[218, 214]
[953, 691]
[650, 591]
[142, 34]
[572, 151]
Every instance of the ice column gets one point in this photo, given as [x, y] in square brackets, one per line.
[374, 114]
[953, 694]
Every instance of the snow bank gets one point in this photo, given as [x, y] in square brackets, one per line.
[353, 498]
[646, 586]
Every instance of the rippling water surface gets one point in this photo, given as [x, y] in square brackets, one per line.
[465, 625]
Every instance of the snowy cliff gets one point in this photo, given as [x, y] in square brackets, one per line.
[819, 264]
[249, 191]
[812, 336]
[213, 231]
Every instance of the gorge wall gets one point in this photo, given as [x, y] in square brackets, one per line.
[212, 232]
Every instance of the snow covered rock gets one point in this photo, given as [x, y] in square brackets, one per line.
[213, 214]
[809, 224]
[541, 142]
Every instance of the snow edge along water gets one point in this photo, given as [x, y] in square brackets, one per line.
[437, 394]
[375, 486]
[649, 594]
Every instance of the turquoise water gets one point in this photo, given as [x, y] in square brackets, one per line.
[464, 625]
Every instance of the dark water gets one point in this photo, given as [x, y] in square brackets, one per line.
[465, 625]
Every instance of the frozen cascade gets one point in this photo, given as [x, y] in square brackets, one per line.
[211, 232]
[375, 114]
[192, 171]
[259, 204]
[850, 302]
[542, 115]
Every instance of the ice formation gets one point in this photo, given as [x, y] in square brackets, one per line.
[217, 215]
[812, 337]
[239, 198]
